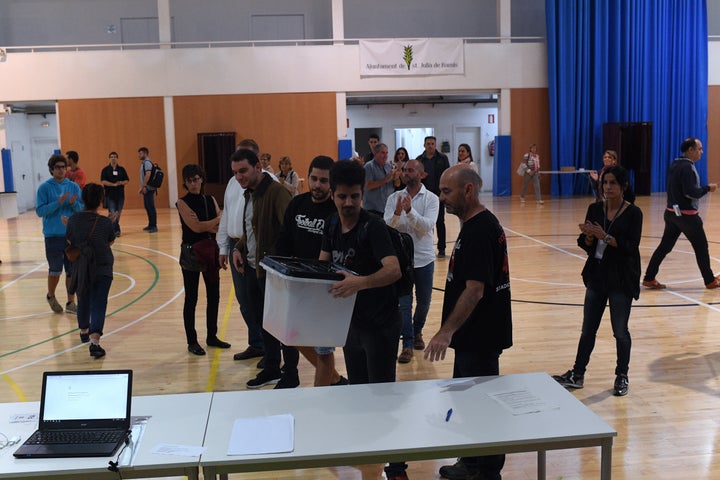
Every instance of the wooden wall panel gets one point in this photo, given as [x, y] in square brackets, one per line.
[530, 123]
[712, 147]
[299, 125]
[96, 127]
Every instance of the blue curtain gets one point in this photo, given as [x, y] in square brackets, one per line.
[625, 61]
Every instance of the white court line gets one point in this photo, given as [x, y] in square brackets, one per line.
[12, 282]
[119, 329]
[666, 290]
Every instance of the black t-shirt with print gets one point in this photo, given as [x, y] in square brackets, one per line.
[480, 254]
[361, 250]
[302, 230]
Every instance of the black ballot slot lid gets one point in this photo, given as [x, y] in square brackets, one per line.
[304, 267]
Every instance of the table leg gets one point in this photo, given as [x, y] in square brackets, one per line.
[541, 464]
[606, 459]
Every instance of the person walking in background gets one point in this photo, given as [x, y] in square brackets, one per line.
[682, 215]
[379, 177]
[114, 178]
[414, 211]
[146, 190]
[73, 171]
[56, 198]
[200, 217]
[532, 174]
[287, 176]
[610, 236]
[92, 274]
[465, 157]
[476, 313]
[609, 158]
[434, 164]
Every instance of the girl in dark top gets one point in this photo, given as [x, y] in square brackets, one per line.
[401, 157]
[93, 270]
[200, 217]
[611, 237]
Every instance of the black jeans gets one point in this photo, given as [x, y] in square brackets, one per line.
[692, 227]
[191, 282]
[593, 310]
[440, 227]
[479, 363]
[255, 290]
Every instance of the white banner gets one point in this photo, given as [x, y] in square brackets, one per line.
[427, 56]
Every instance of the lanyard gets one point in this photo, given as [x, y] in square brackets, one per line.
[608, 227]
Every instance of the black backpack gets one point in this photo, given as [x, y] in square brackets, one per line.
[156, 176]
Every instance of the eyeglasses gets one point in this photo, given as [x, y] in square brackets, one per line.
[60, 167]
[194, 180]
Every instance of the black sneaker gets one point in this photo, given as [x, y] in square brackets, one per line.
[620, 389]
[249, 352]
[216, 342]
[265, 377]
[96, 351]
[342, 381]
[458, 471]
[288, 381]
[570, 379]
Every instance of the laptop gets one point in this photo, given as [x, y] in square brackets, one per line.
[82, 414]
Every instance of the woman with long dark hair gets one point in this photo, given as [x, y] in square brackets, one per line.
[610, 236]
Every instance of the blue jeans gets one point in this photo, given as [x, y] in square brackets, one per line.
[115, 205]
[56, 258]
[593, 310]
[92, 305]
[149, 204]
[413, 324]
[255, 338]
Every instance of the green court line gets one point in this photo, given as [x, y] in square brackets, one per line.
[150, 288]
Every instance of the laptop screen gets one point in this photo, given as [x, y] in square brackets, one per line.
[92, 399]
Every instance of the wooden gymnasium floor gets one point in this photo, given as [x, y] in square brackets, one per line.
[667, 425]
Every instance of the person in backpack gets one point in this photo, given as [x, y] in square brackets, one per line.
[93, 270]
[148, 192]
[414, 210]
[371, 346]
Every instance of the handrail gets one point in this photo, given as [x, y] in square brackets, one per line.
[233, 43]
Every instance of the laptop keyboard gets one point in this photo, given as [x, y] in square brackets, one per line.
[76, 437]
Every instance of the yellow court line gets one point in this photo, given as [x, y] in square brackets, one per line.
[221, 334]
[15, 387]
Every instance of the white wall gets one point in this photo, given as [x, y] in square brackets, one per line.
[442, 117]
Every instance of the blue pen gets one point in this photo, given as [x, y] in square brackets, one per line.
[449, 414]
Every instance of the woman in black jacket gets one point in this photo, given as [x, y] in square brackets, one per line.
[611, 237]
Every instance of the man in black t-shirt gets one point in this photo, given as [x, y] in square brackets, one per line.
[360, 241]
[114, 178]
[301, 236]
[476, 315]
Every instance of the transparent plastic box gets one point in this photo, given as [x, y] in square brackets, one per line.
[299, 310]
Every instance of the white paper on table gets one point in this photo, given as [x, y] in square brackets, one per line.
[258, 435]
[521, 401]
[180, 450]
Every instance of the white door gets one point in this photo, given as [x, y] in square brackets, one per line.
[471, 136]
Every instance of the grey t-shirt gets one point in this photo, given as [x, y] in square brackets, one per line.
[377, 198]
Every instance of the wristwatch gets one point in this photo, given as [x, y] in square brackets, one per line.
[607, 238]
